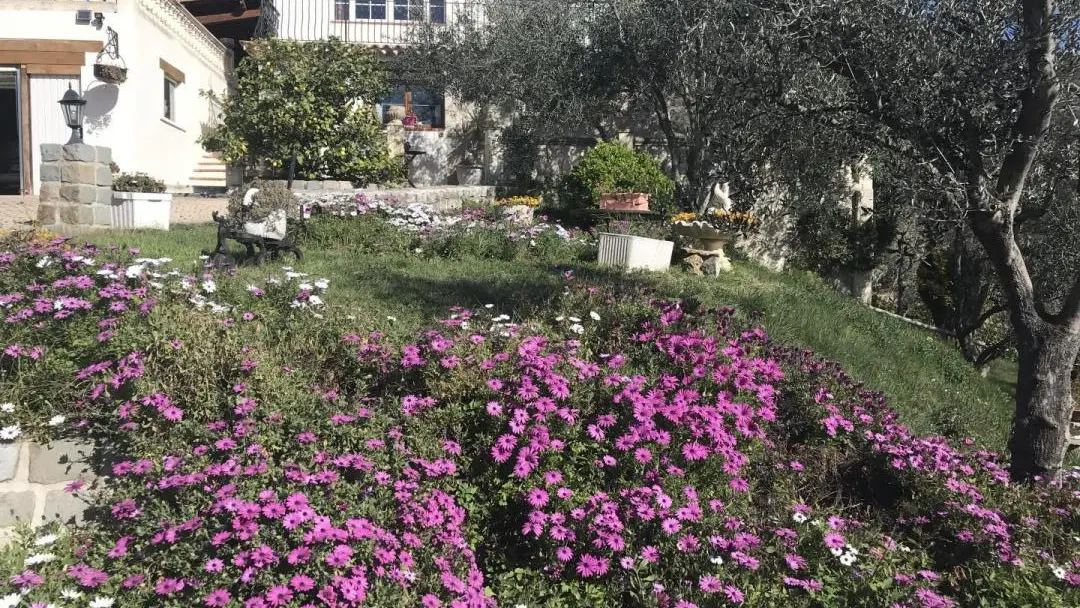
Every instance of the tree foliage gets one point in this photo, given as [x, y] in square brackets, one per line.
[968, 92]
[312, 99]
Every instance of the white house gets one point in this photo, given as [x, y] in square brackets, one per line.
[151, 120]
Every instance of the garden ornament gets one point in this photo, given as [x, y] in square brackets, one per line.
[719, 198]
[249, 197]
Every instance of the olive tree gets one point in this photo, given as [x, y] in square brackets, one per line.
[968, 92]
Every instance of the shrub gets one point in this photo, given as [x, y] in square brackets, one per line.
[300, 98]
[367, 234]
[137, 182]
[611, 167]
[272, 196]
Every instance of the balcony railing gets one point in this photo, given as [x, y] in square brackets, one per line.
[376, 22]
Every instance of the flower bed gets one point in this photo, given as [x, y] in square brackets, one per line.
[612, 451]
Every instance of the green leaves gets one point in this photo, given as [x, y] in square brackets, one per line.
[300, 98]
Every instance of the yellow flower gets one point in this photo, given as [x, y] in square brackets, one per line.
[528, 201]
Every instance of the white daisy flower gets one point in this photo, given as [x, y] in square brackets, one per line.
[574, 319]
[10, 432]
[71, 594]
[717, 561]
[595, 315]
[306, 286]
[489, 306]
[847, 559]
[836, 551]
[315, 300]
[10, 600]
[7, 408]
[1058, 571]
[209, 286]
[39, 558]
[322, 284]
[559, 318]
[577, 328]
[799, 518]
[391, 318]
[47, 539]
[56, 420]
[133, 271]
[102, 602]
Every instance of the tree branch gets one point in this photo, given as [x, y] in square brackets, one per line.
[983, 318]
[1036, 104]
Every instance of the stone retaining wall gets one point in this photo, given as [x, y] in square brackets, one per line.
[32, 481]
[76, 186]
[441, 198]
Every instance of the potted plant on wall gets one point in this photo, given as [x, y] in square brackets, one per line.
[140, 201]
[613, 177]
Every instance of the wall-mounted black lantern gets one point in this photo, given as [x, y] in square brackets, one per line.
[72, 104]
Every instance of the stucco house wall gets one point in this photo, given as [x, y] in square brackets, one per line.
[127, 117]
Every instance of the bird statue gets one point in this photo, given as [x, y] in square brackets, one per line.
[719, 197]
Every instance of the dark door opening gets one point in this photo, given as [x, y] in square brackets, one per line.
[10, 144]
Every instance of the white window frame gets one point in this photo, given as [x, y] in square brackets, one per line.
[390, 7]
[168, 111]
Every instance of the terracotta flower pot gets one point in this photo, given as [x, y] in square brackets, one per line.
[625, 201]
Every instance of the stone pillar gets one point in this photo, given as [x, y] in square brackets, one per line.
[76, 187]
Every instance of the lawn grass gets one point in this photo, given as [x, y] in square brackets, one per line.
[924, 377]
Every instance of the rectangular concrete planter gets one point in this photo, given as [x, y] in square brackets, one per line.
[635, 252]
[141, 210]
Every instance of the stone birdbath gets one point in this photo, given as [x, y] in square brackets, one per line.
[706, 255]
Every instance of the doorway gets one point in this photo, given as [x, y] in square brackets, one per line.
[10, 135]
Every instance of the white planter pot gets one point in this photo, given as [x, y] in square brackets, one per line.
[634, 252]
[272, 227]
[141, 210]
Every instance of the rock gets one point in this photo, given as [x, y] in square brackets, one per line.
[80, 152]
[518, 214]
[693, 263]
[9, 460]
[51, 152]
[64, 507]
[60, 461]
[16, 507]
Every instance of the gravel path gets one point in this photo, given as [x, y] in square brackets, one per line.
[20, 211]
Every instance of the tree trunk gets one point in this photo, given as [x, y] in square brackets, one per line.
[1044, 402]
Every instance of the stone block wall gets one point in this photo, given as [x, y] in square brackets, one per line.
[442, 198]
[76, 187]
[32, 481]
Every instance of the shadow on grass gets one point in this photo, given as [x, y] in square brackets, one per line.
[523, 289]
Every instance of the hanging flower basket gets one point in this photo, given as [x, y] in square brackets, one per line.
[110, 67]
[112, 74]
